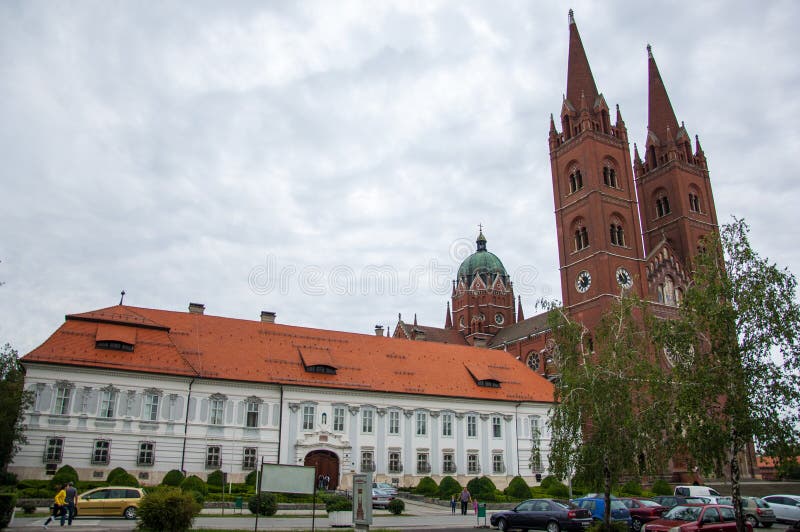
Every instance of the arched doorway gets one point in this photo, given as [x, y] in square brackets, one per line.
[327, 463]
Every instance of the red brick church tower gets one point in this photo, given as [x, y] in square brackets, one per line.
[597, 217]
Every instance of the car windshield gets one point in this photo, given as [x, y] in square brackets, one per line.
[727, 500]
[617, 505]
[761, 504]
[648, 502]
[683, 513]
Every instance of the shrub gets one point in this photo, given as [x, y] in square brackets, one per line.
[662, 487]
[215, 478]
[170, 509]
[198, 497]
[449, 486]
[267, 502]
[518, 489]
[28, 507]
[173, 478]
[65, 473]
[119, 477]
[8, 478]
[250, 479]
[616, 526]
[397, 506]
[427, 486]
[482, 488]
[548, 481]
[194, 483]
[557, 490]
[337, 503]
[7, 503]
[632, 487]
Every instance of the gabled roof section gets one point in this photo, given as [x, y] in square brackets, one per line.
[117, 314]
[660, 115]
[520, 330]
[580, 82]
[213, 347]
[429, 334]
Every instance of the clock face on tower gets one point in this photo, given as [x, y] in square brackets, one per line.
[583, 281]
[624, 278]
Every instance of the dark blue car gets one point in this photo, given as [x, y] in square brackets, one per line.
[543, 514]
[597, 506]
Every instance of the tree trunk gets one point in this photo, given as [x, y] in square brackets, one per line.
[736, 491]
[607, 494]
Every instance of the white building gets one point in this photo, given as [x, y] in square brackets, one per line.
[154, 390]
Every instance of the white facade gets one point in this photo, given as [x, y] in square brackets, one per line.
[96, 420]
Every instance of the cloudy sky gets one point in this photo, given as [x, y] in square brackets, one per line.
[331, 161]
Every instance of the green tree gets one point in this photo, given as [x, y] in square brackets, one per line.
[14, 400]
[611, 396]
[736, 355]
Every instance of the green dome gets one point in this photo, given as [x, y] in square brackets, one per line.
[481, 262]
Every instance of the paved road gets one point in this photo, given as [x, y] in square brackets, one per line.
[419, 516]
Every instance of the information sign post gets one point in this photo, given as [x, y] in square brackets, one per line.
[362, 501]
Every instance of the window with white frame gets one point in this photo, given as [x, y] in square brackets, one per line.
[249, 458]
[473, 465]
[308, 417]
[447, 425]
[367, 417]
[252, 414]
[147, 453]
[367, 462]
[394, 422]
[338, 419]
[422, 423]
[54, 450]
[63, 393]
[497, 427]
[151, 406]
[448, 463]
[498, 467]
[472, 426]
[395, 464]
[213, 456]
[100, 452]
[108, 402]
[217, 405]
[423, 464]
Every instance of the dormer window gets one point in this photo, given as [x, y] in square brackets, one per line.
[317, 360]
[321, 368]
[114, 345]
[488, 383]
[115, 337]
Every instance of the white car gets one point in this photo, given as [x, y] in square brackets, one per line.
[385, 486]
[786, 507]
[381, 498]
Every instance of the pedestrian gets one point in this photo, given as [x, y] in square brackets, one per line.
[321, 481]
[71, 495]
[453, 504]
[465, 497]
[58, 505]
[475, 505]
[327, 481]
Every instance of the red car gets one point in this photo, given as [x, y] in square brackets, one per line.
[642, 511]
[693, 518]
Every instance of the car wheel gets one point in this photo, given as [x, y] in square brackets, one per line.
[752, 520]
[552, 526]
[502, 524]
[129, 513]
[636, 524]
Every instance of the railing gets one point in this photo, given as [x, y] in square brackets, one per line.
[368, 467]
[423, 468]
[449, 469]
[396, 468]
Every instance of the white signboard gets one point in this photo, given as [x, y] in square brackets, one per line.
[287, 478]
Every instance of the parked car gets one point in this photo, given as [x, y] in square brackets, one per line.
[674, 500]
[381, 498]
[543, 514]
[109, 501]
[642, 511]
[696, 491]
[385, 486]
[597, 505]
[756, 510]
[693, 518]
[786, 507]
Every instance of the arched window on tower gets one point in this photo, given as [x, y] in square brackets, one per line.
[660, 293]
[617, 234]
[662, 205]
[694, 202]
[610, 177]
[581, 238]
[575, 181]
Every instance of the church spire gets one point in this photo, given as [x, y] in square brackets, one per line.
[448, 319]
[520, 315]
[580, 82]
[661, 119]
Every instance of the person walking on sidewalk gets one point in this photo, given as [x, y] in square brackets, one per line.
[465, 497]
[58, 505]
[71, 494]
[453, 504]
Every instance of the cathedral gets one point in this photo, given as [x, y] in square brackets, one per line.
[155, 390]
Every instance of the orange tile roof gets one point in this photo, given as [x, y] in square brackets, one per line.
[185, 344]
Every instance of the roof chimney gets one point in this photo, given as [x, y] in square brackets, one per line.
[379, 330]
[267, 316]
[197, 308]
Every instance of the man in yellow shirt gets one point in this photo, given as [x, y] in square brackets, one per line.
[58, 505]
